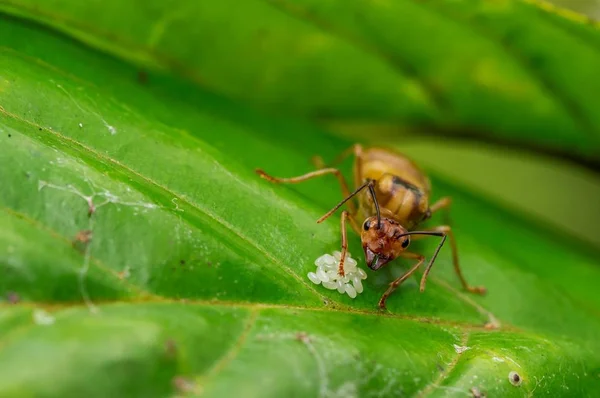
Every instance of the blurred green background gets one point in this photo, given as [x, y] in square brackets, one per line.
[565, 195]
[588, 7]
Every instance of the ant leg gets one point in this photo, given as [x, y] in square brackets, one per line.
[443, 203]
[318, 162]
[353, 223]
[355, 150]
[367, 184]
[447, 231]
[308, 176]
[345, 215]
[394, 285]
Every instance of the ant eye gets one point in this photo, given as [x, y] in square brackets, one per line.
[406, 243]
[367, 225]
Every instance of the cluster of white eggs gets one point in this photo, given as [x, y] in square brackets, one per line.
[327, 274]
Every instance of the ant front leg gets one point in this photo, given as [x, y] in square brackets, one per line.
[394, 285]
[355, 150]
[447, 232]
[345, 215]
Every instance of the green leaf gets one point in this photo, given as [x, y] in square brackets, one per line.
[194, 280]
[501, 71]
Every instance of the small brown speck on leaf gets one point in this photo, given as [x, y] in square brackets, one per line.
[170, 348]
[491, 326]
[13, 297]
[303, 337]
[185, 385]
[124, 274]
[91, 209]
[82, 239]
[84, 236]
[477, 393]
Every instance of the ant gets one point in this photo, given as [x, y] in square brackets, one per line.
[393, 199]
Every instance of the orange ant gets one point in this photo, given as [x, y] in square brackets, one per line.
[393, 198]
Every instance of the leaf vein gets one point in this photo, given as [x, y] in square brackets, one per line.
[64, 240]
[444, 374]
[262, 306]
[233, 352]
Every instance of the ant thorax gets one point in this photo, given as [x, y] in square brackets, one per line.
[398, 199]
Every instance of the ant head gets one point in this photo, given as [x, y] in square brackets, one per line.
[382, 241]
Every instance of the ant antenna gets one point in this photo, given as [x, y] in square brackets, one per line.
[368, 183]
[372, 190]
[437, 250]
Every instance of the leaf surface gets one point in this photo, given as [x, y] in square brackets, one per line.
[194, 280]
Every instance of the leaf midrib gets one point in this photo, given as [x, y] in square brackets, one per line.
[160, 300]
